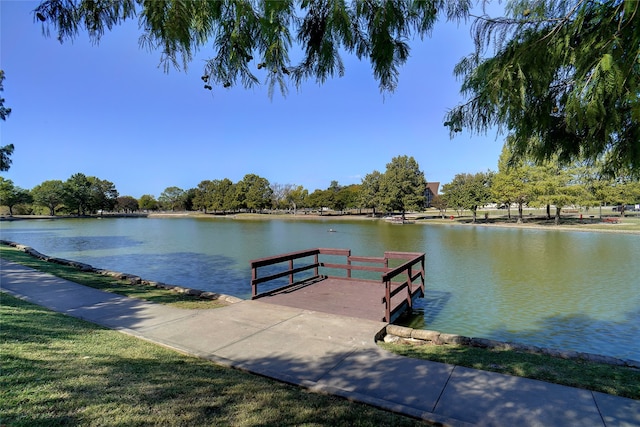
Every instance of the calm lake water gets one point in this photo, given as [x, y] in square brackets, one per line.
[570, 290]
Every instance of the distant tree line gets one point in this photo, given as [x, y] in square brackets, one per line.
[401, 188]
[528, 183]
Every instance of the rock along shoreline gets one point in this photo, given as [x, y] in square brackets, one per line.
[131, 278]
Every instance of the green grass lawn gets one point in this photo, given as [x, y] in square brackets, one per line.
[615, 380]
[628, 224]
[58, 370]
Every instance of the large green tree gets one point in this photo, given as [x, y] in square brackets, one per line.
[223, 195]
[172, 198]
[203, 198]
[297, 198]
[104, 195]
[11, 195]
[469, 191]
[320, 199]
[77, 193]
[127, 204]
[148, 202]
[558, 185]
[513, 183]
[49, 194]
[562, 77]
[253, 192]
[370, 191]
[403, 185]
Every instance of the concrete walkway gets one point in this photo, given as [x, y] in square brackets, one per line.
[331, 354]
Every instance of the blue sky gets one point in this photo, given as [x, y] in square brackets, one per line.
[110, 111]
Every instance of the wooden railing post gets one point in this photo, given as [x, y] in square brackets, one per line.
[315, 260]
[422, 272]
[387, 297]
[349, 264]
[409, 287]
[290, 269]
[254, 285]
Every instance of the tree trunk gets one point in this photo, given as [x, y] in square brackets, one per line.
[548, 211]
[474, 212]
[557, 220]
[509, 210]
[519, 213]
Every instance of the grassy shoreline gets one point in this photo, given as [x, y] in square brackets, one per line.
[615, 380]
[627, 225]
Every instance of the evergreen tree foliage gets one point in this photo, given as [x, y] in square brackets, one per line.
[202, 199]
[172, 198]
[222, 195]
[561, 76]
[104, 195]
[77, 193]
[513, 182]
[558, 185]
[253, 193]
[563, 80]
[252, 39]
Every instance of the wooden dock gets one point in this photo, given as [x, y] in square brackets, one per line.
[354, 292]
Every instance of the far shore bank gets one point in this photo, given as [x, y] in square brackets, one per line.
[627, 225]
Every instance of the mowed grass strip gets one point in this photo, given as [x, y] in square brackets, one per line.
[58, 370]
[616, 380]
[108, 283]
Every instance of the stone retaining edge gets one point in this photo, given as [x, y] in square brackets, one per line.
[131, 278]
[402, 334]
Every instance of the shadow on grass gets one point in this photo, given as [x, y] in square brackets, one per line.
[63, 371]
[58, 370]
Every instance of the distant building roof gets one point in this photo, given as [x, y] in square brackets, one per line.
[433, 187]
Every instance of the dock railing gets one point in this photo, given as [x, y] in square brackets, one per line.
[413, 284]
[407, 278]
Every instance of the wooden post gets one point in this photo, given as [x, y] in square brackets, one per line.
[423, 272]
[409, 287]
[315, 260]
[349, 264]
[254, 287]
[290, 269]
[388, 299]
